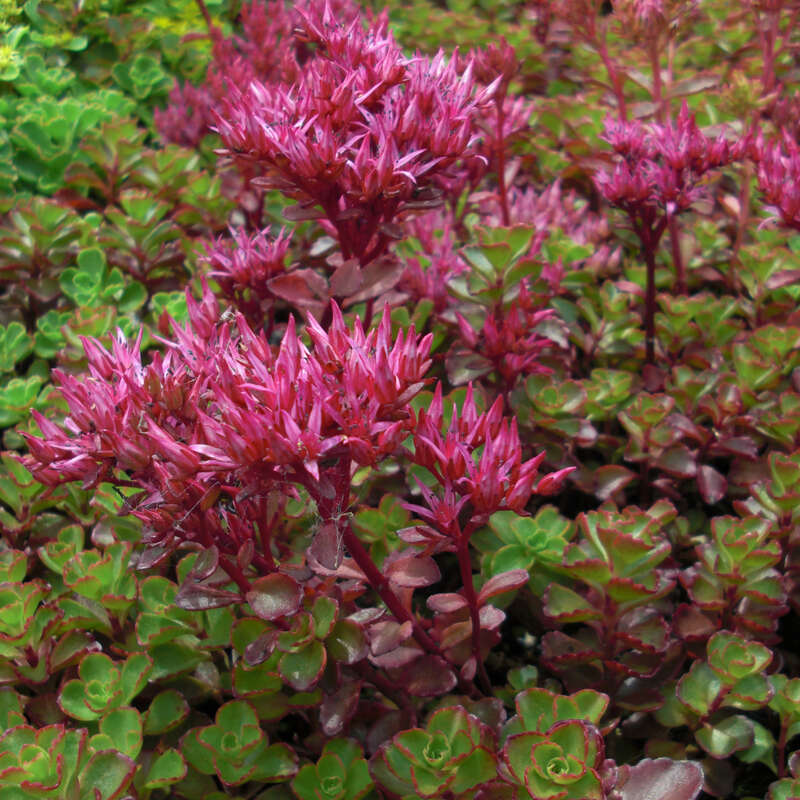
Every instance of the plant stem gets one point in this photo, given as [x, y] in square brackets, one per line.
[465, 567]
[677, 257]
[650, 306]
[501, 161]
[378, 581]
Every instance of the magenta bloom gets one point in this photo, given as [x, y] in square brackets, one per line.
[779, 178]
[223, 413]
[360, 133]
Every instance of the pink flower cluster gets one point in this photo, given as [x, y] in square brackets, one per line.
[660, 167]
[508, 339]
[779, 177]
[478, 464]
[360, 133]
[266, 51]
[223, 416]
[244, 264]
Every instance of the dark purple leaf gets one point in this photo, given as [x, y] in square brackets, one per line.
[303, 288]
[691, 624]
[741, 446]
[199, 597]
[712, 484]
[678, 461]
[428, 676]
[205, 564]
[261, 648]
[275, 596]
[610, 479]
[337, 709]
[327, 547]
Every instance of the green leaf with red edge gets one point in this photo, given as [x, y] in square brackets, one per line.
[167, 768]
[563, 605]
[166, 711]
[727, 736]
[121, 730]
[107, 776]
[347, 642]
[699, 688]
[474, 769]
[750, 693]
[734, 658]
[303, 668]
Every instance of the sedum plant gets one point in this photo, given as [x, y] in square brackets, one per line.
[433, 509]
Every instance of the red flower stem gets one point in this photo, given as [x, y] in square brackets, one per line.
[465, 567]
[380, 584]
[613, 76]
[501, 160]
[677, 258]
[658, 94]
[235, 574]
[331, 510]
[650, 307]
[206, 16]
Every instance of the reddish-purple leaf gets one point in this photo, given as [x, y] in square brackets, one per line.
[413, 571]
[388, 635]
[741, 446]
[500, 584]
[275, 596]
[661, 779]
[678, 461]
[347, 279]
[198, 597]
[712, 484]
[447, 603]
[204, 565]
[377, 278]
[303, 288]
[610, 479]
[337, 709]
[298, 212]
[428, 676]
[786, 277]
[327, 547]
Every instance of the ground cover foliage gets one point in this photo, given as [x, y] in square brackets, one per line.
[399, 402]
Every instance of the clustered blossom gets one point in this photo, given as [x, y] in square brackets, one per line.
[508, 339]
[478, 463]
[243, 266]
[779, 177]
[221, 415]
[360, 133]
[659, 174]
[426, 276]
[650, 19]
[659, 170]
[266, 51]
